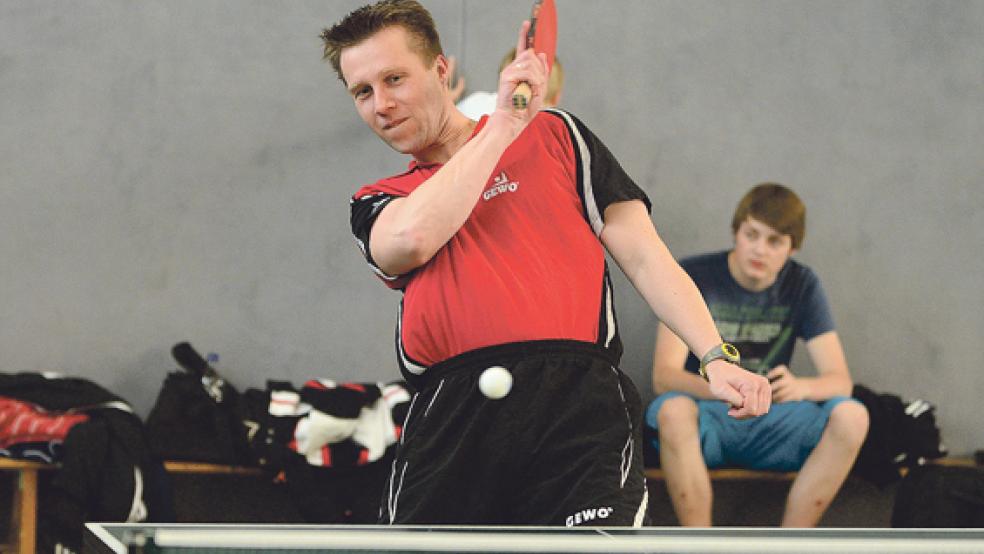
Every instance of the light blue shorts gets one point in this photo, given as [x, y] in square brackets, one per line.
[781, 440]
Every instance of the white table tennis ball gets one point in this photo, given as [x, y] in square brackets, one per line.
[495, 382]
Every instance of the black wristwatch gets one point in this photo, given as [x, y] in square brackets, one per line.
[723, 351]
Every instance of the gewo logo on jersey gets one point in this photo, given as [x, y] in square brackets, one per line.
[500, 185]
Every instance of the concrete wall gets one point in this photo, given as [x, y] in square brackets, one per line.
[181, 169]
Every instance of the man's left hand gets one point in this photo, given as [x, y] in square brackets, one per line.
[749, 394]
[785, 386]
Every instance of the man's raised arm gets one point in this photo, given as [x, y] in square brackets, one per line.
[409, 231]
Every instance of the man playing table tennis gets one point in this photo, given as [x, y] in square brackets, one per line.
[494, 235]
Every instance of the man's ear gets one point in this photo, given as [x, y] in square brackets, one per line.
[441, 64]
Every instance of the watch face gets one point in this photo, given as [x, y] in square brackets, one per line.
[729, 350]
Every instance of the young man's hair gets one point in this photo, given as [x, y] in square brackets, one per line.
[369, 20]
[555, 82]
[775, 205]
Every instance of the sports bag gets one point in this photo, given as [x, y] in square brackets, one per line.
[940, 496]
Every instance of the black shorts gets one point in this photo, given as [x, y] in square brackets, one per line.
[564, 447]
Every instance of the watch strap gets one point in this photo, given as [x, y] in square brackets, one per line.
[724, 351]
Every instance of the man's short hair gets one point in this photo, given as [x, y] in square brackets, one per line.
[369, 20]
[775, 205]
[555, 81]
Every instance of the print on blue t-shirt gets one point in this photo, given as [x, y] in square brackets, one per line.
[763, 325]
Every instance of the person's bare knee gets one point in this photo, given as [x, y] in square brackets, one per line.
[677, 418]
[848, 423]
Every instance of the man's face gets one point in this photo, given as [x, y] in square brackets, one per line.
[400, 98]
[760, 252]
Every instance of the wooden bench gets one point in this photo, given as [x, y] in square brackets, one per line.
[24, 512]
[199, 468]
[22, 538]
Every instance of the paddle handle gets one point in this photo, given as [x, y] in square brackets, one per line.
[521, 96]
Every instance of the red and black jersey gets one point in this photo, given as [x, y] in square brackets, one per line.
[527, 264]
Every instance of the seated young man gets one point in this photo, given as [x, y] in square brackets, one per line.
[762, 301]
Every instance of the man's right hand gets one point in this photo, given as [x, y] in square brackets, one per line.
[749, 394]
[528, 67]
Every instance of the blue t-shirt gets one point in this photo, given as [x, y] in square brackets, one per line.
[763, 325]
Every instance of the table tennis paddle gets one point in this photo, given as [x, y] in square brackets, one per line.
[542, 38]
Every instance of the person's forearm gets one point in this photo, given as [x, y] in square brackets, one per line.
[825, 387]
[424, 221]
[631, 238]
[676, 301]
[672, 379]
[682, 308]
